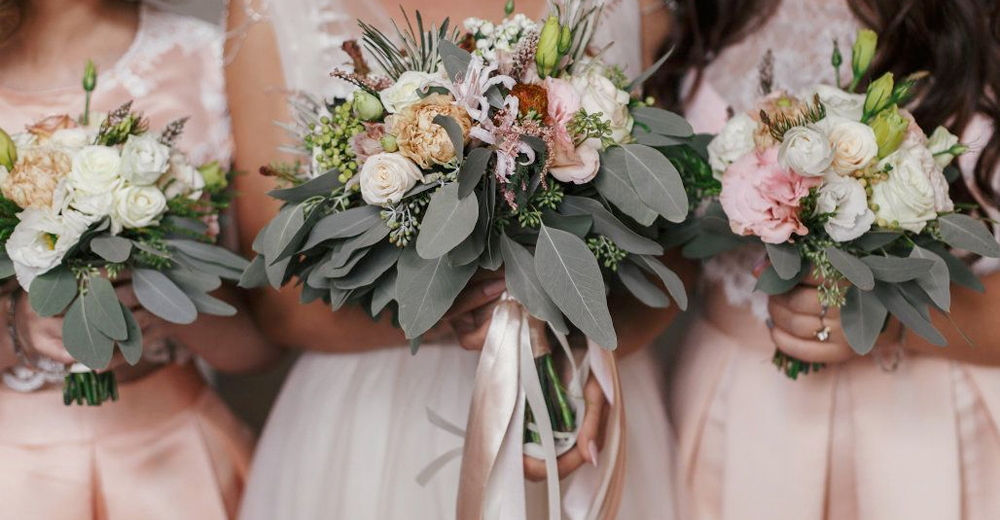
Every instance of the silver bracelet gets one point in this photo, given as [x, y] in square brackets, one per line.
[28, 375]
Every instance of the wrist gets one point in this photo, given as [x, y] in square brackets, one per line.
[8, 348]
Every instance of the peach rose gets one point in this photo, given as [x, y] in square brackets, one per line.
[577, 165]
[46, 127]
[422, 140]
[761, 197]
[35, 177]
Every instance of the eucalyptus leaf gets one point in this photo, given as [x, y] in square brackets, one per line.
[196, 280]
[572, 278]
[255, 274]
[640, 287]
[657, 181]
[425, 289]
[210, 305]
[83, 341]
[856, 271]
[210, 253]
[189, 224]
[524, 286]
[613, 183]
[772, 284]
[311, 294]
[103, 310]
[937, 281]
[662, 122]
[227, 273]
[896, 270]
[863, 317]
[877, 239]
[673, 283]
[642, 136]
[111, 248]
[372, 236]
[343, 224]
[708, 245]
[333, 268]
[785, 258]
[282, 230]
[455, 134]
[472, 170]
[339, 298]
[638, 81]
[53, 291]
[131, 347]
[605, 223]
[380, 260]
[492, 258]
[162, 297]
[964, 232]
[960, 272]
[385, 292]
[909, 315]
[6, 265]
[455, 59]
[277, 273]
[320, 186]
[579, 225]
[448, 221]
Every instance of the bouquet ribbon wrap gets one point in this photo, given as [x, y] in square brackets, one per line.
[492, 483]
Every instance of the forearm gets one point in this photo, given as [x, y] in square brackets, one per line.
[977, 315]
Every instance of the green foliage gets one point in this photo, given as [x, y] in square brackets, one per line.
[606, 251]
[545, 197]
[832, 292]
[419, 51]
[695, 172]
[8, 218]
[403, 219]
[330, 140]
[779, 123]
[590, 126]
[120, 124]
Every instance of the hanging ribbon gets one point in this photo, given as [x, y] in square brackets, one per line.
[492, 483]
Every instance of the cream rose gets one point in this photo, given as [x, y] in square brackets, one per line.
[41, 240]
[578, 166]
[182, 179]
[839, 103]
[137, 207]
[598, 95]
[406, 90]
[854, 145]
[807, 151]
[96, 169]
[386, 177]
[844, 198]
[422, 140]
[907, 198]
[733, 142]
[144, 160]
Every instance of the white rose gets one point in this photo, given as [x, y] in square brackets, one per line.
[137, 207]
[907, 198]
[942, 197]
[844, 198]
[182, 179]
[72, 138]
[854, 144]
[144, 160]
[406, 90]
[733, 142]
[806, 150]
[386, 177]
[839, 103]
[96, 169]
[940, 144]
[41, 240]
[598, 95]
[93, 204]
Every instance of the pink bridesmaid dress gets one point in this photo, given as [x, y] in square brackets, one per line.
[168, 449]
[852, 442]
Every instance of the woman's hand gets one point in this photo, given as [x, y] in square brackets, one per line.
[588, 443]
[471, 314]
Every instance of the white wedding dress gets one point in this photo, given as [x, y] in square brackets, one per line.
[350, 434]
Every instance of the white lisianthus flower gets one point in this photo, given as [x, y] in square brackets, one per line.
[137, 207]
[182, 179]
[907, 198]
[144, 160]
[41, 240]
[854, 144]
[839, 103]
[844, 198]
[386, 177]
[940, 144]
[598, 95]
[96, 169]
[406, 90]
[807, 151]
[733, 142]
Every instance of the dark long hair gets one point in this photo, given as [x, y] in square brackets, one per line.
[957, 41]
[11, 16]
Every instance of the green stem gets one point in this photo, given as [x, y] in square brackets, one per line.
[564, 412]
[86, 109]
[793, 367]
[91, 388]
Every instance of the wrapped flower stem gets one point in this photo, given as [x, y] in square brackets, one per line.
[560, 412]
[793, 367]
[90, 387]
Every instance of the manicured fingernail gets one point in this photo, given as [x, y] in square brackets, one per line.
[592, 447]
[758, 268]
[495, 288]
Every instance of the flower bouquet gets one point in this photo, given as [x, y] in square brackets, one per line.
[85, 201]
[849, 188]
[507, 146]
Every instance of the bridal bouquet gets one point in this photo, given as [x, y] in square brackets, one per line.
[849, 188]
[86, 201]
[508, 146]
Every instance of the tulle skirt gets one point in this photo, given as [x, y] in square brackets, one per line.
[350, 438]
[167, 450]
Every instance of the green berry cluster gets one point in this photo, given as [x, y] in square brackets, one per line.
[329, 140]
[590, 126]
[607, 251]
[403, 220]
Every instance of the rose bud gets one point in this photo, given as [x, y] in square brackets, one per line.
[547, 56]
[8, 152]
[864, 51]
[879, 95]
[890, 130]
[367, 107]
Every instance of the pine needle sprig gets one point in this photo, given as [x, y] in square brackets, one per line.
[419, 50]
[121, 123]
[779, 124]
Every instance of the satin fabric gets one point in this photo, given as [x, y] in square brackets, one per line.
[167, 450]
[848, 443]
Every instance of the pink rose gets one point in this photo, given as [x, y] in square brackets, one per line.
[577, 165]
[762, 198]
[369, 142]
[564, 103]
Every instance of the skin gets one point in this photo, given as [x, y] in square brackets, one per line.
[257, 98]
[56, 38]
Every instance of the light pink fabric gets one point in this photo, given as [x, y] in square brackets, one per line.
[848, 443]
